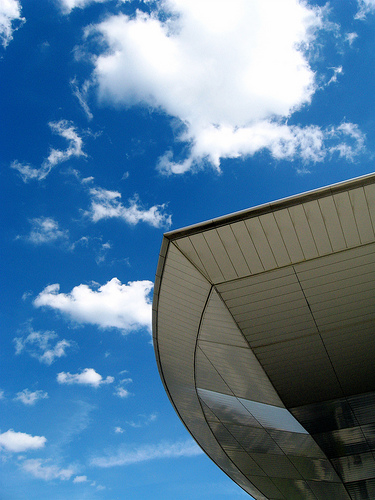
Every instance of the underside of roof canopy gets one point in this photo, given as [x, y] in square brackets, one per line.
[264, 333]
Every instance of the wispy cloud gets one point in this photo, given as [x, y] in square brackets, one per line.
[143, 421]
[46, 230]
[10, 20]
[72, 425]
[43, 469]
[113, 305]
[365, 7]
[68, 5]
[65, 129]
[43, 346]
[126, 456]
[120, 391]
[81, 94]
[88, 376]
[106, 204]
[80, 479]
[354, 142]
[29, 398]
[19, 441]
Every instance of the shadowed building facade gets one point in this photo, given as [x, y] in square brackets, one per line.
[264, 333]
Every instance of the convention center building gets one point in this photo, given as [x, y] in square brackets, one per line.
[264, 333]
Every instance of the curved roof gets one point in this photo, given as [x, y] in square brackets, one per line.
[263, 325]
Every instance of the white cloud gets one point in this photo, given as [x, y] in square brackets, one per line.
[19, 441]
[106, 204]
[65, 129]
[119, 430]
[218, 72]
[2, 394]
[45, 230]
[30, 398]
[40, 469]
[354, 141]
[87, 377]
[80, 479]
[146, 453]
[39, 346]
[365, 7]
[121, 392]
[68, 5]
[113, 305]
[10, 12]
[350, 37]
[230, 85]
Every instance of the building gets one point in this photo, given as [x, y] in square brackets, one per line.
[264, 333]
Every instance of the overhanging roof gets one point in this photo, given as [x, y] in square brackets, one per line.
[263, 325]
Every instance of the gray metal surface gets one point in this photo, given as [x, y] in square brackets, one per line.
[263, 325]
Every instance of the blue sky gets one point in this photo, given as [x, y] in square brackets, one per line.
[121, 120]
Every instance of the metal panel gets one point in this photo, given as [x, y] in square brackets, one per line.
[332, 223]
[187, 249]
[370, 197]
[254, 440]
[336, 263]
[317, 381]
[295, 489]
[250, 292]
[220, 254]
[317, 469]
[233, 249]
[247, 246]
[363, 407]
[296, 445]
[303, 230]
[275, 239]
[289, 235]
[245, 463]
[267, 487]
[207, 377]
[355, 467]
[227, 408]
[329, 491]
[273, 417]
[208, 260]
[261, 243]
[218, 325]
[224, 437]
[362, 215]
[326, 416]
[362, 490]
[343, 442]
[318, 227]
[276, 465]
[347, 219]
[238, 366]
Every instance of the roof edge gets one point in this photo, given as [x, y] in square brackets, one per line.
[271, 206]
